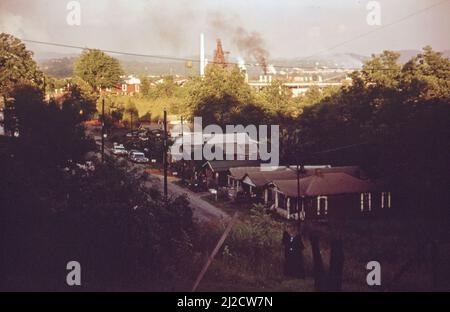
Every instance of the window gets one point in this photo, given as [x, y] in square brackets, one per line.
[124, 87]
[385, 199]
[322, 205]
[366, 202]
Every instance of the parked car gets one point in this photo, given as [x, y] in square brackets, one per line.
[137, 134]
[119, 149]
[138, 157]
[131, 151]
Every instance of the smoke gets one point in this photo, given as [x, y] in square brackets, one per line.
[241, 63]
[250, 44]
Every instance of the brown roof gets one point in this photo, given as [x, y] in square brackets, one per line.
[354, 171]
[261, 178]
[330, 183]
[240, 172]
[225, 165]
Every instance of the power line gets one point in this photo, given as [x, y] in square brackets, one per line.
[189, 59]
[377, 29]
[182, 59]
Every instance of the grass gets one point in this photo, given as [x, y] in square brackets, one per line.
[154, 106]
[227, 205]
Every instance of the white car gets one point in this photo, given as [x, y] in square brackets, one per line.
[138, 157]
[119, 149]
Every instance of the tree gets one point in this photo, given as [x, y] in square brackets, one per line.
[393, 121]
[380, 70]
[129, 235]
[219, 96]
[80, 102]
[166, 88]
[17, 65]
[276, 97]
[98, 69]
[51, 133]
[131, 114]
[145, 86]
[426, 75]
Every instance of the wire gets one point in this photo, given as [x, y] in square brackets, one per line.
[377, 29]
[182, 59]
[195, 60]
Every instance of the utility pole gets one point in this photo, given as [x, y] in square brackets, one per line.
[165, 154]
[298, 192]
[44, 87]
[299, 170]
[103, 128]
[182, 155]
[131, 121]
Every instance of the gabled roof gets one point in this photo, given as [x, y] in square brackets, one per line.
[261, 178]
[330, 183]
[354, 171]
[240, 172]
[258, 177]
[225, 165]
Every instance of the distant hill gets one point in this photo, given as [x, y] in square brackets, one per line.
[406, 55]
[58, 67]
[61, 65]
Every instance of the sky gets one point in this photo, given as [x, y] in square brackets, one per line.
[284, 28]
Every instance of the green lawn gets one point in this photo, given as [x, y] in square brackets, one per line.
[154, 106]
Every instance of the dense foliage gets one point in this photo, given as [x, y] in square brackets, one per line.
[98, 69]
[17, 65]
[56, 208]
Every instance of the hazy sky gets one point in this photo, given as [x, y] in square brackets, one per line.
[288, 28]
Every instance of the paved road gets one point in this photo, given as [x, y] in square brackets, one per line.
[203, 210]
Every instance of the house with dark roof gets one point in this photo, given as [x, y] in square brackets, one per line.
[215, 172]
[321, 191]
[329, 195]
[254, 182]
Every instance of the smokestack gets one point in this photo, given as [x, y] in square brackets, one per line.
[202, 55]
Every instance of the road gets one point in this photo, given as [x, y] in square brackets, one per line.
[203, 211]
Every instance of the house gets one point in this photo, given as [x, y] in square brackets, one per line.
[129, 85]
[254, 182]
[223, 145]
[323, 191]
[215, 172]
[329, 195]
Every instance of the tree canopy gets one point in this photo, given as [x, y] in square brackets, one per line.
[98, 69]
[17, 65]
[223, 97]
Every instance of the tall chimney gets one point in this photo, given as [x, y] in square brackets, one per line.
[202, 55]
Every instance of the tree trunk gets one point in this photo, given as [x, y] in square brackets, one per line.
[336, 266]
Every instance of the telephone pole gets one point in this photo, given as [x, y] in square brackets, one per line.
[103, 128]
[182, 155]
[165, 154]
